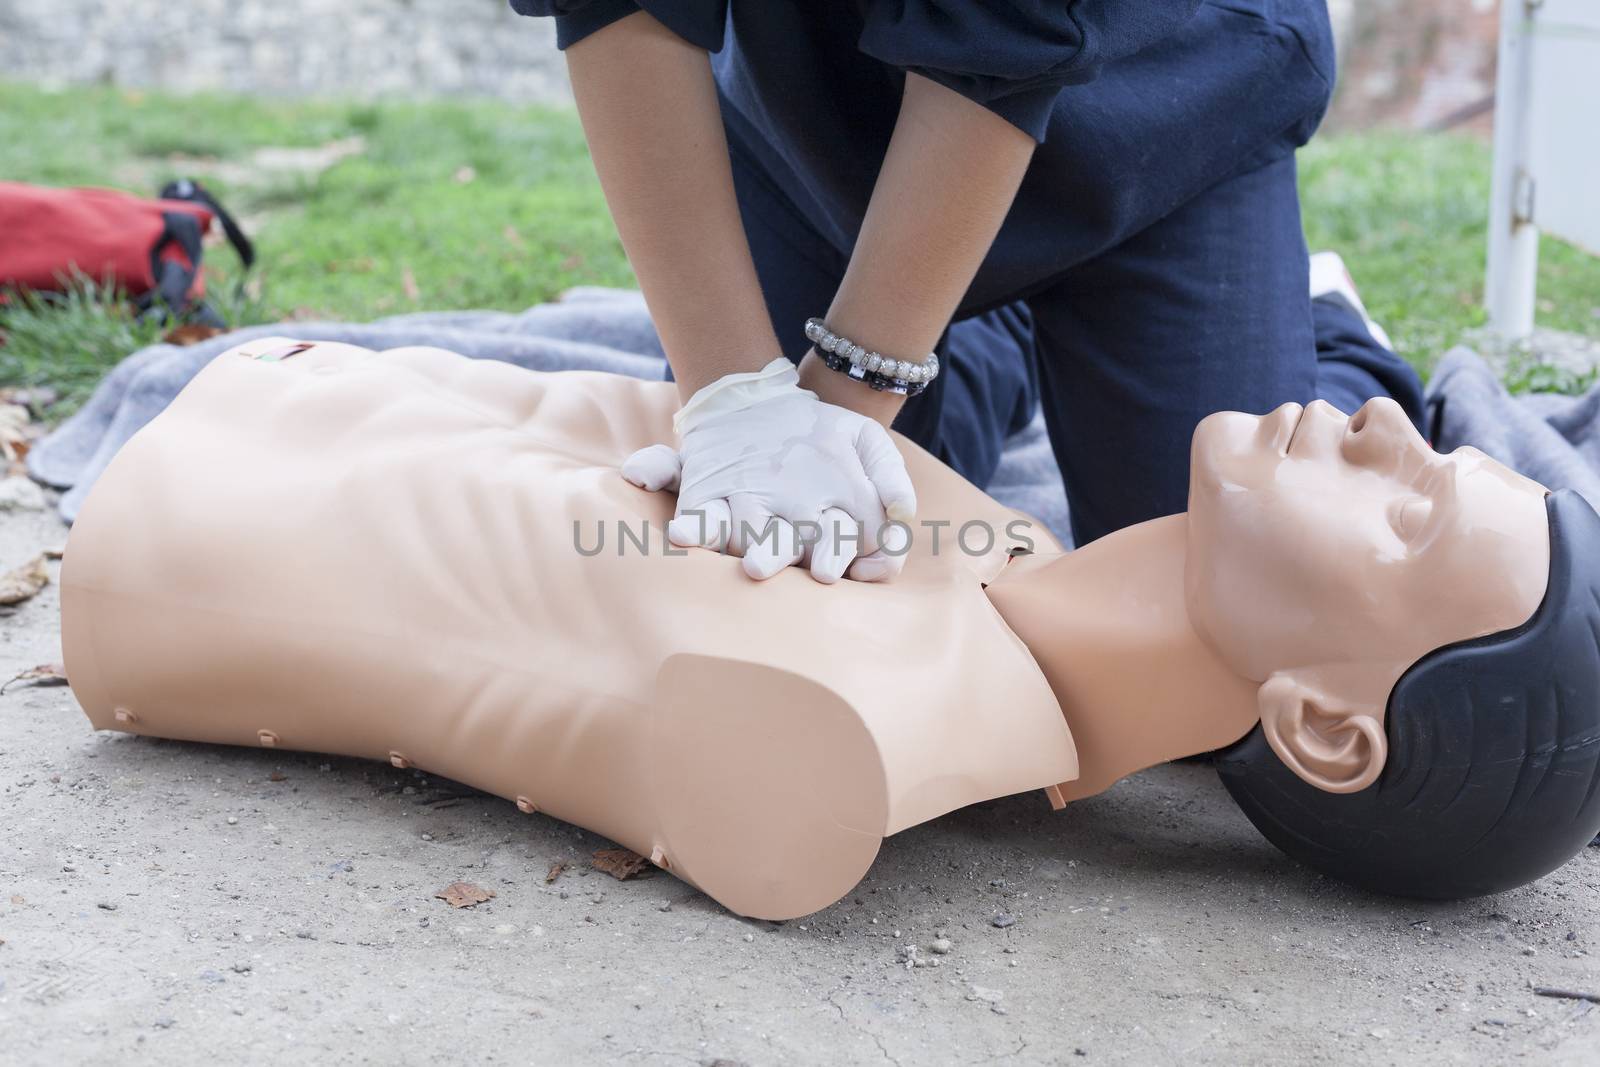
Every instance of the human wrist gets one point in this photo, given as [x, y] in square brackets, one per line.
[697, 364]
[735, 392]
[831, 387]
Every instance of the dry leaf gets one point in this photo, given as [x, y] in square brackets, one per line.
[16, 898]
[555, 871]
[408, 282]
[277, 776]
[620, 863]
[191, 333]
[464, 894]
[45, 674]
[16, 431]
[55, 553]
[24, 582]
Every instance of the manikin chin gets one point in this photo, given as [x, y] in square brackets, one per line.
[329, 549]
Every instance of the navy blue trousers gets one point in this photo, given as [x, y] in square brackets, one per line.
[1206, 310]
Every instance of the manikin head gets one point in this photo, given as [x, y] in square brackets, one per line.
[1424, 631]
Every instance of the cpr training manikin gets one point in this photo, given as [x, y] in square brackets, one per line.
[431, 560]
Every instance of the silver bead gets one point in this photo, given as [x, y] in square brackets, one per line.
[918, 374]
[873, 362]
[813, 330]
[857, 354]
[830, 341]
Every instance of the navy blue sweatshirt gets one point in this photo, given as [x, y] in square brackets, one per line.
[1139, 105]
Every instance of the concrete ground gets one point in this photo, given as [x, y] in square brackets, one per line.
[184, 904]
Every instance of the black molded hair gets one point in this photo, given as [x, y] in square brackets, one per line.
[1493, 775]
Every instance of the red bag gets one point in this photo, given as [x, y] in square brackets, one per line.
[150, 249]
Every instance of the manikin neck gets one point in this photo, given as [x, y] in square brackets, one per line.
[1109, 628]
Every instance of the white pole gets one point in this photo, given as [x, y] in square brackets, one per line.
[1513, 236]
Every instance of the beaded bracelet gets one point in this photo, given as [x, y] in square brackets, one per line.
[879, 372]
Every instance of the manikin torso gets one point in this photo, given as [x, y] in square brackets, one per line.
[417, 557]
[376, 555]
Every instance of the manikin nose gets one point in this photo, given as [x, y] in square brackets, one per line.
[1381, 429]
[1381, 414]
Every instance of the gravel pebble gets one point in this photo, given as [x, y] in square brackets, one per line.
[1003, 920]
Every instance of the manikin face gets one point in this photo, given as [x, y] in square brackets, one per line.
[1327, 554]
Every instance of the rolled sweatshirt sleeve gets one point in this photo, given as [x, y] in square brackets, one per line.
[1015, 57]
[700, 22]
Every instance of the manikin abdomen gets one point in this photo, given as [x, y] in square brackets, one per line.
[379, 555]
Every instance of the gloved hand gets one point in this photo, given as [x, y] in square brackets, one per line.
[761, 456]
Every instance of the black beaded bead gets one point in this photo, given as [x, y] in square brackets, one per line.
[881, 382]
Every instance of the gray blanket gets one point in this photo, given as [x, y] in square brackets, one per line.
[1555, 440]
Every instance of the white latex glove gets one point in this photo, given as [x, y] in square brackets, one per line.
[759, 456]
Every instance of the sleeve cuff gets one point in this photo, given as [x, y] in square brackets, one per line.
[1026, 107]
[701, 23]
[570, 29]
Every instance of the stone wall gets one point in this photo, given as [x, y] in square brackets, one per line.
[1404, 62]
[1415, 63]
[364, 48]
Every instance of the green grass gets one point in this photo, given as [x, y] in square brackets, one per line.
[480, 204]
[464, 205]
[492, 205]
[1409, 214]
[93, 136]
[66, 341]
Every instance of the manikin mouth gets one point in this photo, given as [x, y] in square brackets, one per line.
[1294, 431]
[1292, 423]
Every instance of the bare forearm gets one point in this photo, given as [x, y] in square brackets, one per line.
[649, 111]
[947, 181]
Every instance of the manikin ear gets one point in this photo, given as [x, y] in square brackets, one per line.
[1334, 742]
